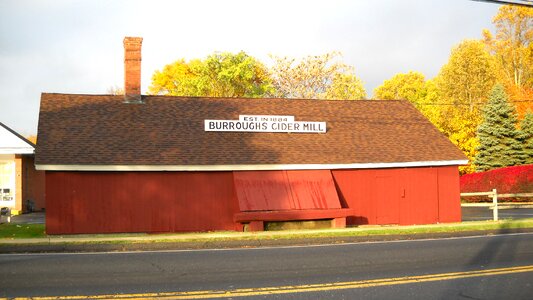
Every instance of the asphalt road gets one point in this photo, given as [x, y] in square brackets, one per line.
[484, 213]
[490, 267]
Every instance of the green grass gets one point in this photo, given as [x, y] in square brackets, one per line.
[365, 231]
[438, 228]
[22, 231]
[14, 231]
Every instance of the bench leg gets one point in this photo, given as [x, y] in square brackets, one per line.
[256, 226]
[338, 223]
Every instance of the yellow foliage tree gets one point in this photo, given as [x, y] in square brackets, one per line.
[464, 84]
[176, 79]
[32, 138]
[469, 75]
[221, 74]
[430, 104]
[409, 86]
[346, 87]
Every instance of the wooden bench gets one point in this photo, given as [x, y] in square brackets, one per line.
[256, 219]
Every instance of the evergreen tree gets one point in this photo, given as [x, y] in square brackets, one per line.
[499, 144]
[526, 137]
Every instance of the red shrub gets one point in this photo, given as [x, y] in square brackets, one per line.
[509, 180]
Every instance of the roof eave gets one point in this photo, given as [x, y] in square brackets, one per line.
[258, 167]
[16, 151]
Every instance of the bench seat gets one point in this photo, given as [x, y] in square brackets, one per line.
[256, 219]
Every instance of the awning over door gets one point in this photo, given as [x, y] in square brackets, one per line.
[286, 190]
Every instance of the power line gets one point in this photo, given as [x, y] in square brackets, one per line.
[526, 3]
[467, 104]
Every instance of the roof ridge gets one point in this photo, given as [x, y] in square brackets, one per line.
[233, 98]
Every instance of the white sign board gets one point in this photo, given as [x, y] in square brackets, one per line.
[264, 123]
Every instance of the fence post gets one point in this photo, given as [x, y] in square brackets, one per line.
[495, 204]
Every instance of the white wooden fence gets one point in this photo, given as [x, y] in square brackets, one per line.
[494, 195]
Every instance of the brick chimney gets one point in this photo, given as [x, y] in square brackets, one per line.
[132, 69]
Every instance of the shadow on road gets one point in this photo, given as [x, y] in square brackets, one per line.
[496, 252]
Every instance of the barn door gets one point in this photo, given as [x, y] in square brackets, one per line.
[387, 200]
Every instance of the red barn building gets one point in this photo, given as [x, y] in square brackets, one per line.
[167, 164]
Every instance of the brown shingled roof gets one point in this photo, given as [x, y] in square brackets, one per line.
[97, 130]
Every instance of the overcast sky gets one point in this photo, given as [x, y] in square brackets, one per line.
[76, 46]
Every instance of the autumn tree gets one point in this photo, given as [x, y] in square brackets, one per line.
[218, 75]
[315, 77]
[430, 104]
[235, 75]
[115, 90]
[499, 143]
[409, 86]
[177, 79]
[512, 47]
[464, 84]
[32, 138]
[526, 137]
[346, 86]
[413, 86]
[468, 76]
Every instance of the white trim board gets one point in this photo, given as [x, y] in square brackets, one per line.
[14, 150]
[12, 143]
[259, 167]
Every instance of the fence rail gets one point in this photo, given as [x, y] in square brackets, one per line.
[494, 195]
[515, 195]
[477, 194]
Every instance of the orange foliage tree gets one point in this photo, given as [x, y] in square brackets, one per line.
[511, 46]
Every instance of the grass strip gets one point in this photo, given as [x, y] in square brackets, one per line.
[30, 231]
[22, 231]
[369, 231]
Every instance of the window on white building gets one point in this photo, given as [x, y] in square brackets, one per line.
[7, 182]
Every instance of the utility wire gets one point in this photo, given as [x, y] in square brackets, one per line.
[526, 3]
[467, 104]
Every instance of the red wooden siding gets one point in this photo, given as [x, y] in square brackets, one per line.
[387, 199]
[400, 196]
[285, 190]
[449, 191]
[102, 202]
